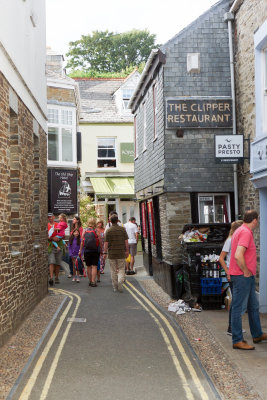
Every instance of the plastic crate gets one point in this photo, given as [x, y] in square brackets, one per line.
[211, 302]
[207, 282]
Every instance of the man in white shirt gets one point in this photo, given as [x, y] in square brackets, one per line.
[132, 231]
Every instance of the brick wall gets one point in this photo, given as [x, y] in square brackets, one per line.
[249, 17]
[23, 197]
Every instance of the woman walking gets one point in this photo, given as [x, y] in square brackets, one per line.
[74, 248]
[76, 224]
[100, 230]
[90, 245]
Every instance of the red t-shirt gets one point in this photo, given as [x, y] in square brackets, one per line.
[243, 236]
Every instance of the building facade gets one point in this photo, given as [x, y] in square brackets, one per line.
[250, 41]
[106, 124]
[23, 176]
[63, 101]
[183, 100]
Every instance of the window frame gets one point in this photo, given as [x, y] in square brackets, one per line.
[135, 138]
[227, 195]
[107, 158]
[155, 110]
[60, 126]
[144, 126]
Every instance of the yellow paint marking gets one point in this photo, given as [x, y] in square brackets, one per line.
[178, 343]
[59, 351]
[175, 360]
[32, 380]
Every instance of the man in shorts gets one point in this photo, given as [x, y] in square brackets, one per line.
[132, 232]
[117, 248]
[55, 256]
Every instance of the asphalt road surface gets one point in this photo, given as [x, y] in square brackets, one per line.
[112, 346]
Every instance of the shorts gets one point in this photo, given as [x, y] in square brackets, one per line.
[91, 259]
[55, 257]
[133, 249]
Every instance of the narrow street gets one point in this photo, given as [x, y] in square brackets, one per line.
[106, 345]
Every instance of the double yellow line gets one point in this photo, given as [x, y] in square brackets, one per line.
[143, 300]
[32, 380]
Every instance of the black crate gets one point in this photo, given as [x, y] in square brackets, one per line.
[211, 302]
[195, 289]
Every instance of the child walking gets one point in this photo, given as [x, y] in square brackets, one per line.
[74, 247]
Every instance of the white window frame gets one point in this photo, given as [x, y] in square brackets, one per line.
[155, 110]
[145, 126]
[60, 126]
[135, 137]
[126, 96]
[98, 139]
[213, 195]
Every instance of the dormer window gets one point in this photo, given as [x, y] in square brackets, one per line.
[126, 95]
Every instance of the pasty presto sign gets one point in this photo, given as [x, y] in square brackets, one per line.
[229, 149]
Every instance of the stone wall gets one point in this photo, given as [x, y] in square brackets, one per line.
[249, 17]
[61, 95]
[23, 197]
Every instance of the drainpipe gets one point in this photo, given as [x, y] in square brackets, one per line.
[229, 18]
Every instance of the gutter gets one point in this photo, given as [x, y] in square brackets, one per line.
[229, 18]
[236, 5]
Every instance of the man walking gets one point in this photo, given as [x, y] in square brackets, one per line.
[117, 248]
[242, 270]
[132, 232]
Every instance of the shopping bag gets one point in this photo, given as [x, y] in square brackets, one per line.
[128, 259]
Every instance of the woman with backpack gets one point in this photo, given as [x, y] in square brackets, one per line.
[90, 245]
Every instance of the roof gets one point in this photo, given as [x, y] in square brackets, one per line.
[98, 103]
[113, 186]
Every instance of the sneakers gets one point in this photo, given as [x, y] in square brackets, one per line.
[51, 282]
[229, 332]
[57, 281]
[74, 280]
[120, 289]
[69, 276]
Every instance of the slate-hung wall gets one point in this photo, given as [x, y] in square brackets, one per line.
[23, 196]
[153, 156]
[190, 164]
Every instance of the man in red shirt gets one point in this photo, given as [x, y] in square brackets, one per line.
[242, 269]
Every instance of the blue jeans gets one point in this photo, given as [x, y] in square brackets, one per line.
[244, 295]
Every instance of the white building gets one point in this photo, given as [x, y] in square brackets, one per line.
[106, 124]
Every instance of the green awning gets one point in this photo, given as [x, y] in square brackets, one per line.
[113, 187]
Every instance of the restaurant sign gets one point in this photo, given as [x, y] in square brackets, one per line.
[198, 113]
[229, 149]
[62, 191]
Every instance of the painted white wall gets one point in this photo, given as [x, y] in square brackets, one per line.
[23, 51]
[90, 133]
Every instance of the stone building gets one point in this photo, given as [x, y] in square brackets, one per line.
[106, 124]
[182, 101]
[23, 173]
[64, 142]
[250, 44]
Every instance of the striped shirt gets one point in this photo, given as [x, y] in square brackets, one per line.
[116, 236]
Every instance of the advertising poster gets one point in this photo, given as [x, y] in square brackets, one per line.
[63, 191]
[151, 222]
[144, 227]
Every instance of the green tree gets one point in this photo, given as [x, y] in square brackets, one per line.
[87, 209]
[105, 51]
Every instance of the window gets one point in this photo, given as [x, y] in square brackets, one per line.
[135, 138]
[61, 136]
[106, 153]
[214, 208]
[126, 95]
[155, 111]
[144, 116]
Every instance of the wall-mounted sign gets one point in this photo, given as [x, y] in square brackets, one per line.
[229, 149]
[198, 113]
[62, 191]
[258, 155]
[127, 153]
